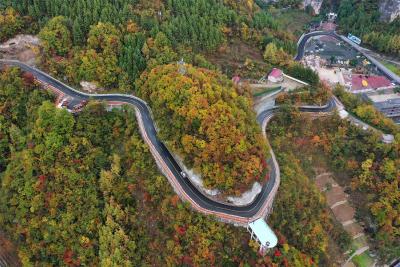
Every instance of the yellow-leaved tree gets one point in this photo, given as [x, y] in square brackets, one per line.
[208, 124]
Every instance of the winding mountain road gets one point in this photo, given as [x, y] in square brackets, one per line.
[304, 39]
[387, 138]
[187, 191]
[240, 215]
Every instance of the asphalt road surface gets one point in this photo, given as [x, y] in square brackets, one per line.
[248, 211]
[302, 43]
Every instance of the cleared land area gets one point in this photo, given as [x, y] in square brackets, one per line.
[293, 20]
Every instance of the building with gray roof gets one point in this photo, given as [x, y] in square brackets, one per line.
[388, 104]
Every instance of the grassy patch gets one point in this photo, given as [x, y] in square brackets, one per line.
[363, 260]
[360, 242]
[293, 20]
[394, 68]
[266, 91]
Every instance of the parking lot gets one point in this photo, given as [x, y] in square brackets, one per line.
[326, 47]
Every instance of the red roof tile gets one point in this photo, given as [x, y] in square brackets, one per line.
[360, 82]
[276, 73]
[236, 79]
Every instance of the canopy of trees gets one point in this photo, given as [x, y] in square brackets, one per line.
[362, 18]
[80, 14]
[197, 23]
[363, 163]
[107, 59]
[366, 111]
[10, 23]
[55, 37]
[303, 73]
[308, 95]
[85, 190]
[204, 120]
[275, 56]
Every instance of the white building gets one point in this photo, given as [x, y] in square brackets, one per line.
[263, 234]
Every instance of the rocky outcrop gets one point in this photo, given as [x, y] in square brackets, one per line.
[22, 47]
[389, 9]
[315, 4]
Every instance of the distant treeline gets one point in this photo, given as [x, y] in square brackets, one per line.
[362, 18]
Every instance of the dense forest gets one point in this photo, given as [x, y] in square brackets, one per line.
[84, 190]
[209, 124]
[113, 53]
[361, 161]
[10, 23]
[362, 18]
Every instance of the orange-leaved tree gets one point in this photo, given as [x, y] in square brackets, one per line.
[204, 120]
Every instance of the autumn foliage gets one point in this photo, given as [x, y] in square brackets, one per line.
[206, 122]
[113, 208]
[358, 159]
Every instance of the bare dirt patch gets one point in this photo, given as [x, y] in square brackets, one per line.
[22, 47]
[344, 213]
[322, 181]
[354, 229]
[8, 252]
[338, 200]
[90, 87]
[335, 195]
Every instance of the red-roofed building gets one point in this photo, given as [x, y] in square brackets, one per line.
[275, 76]
[362, 83]
[236, 79]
